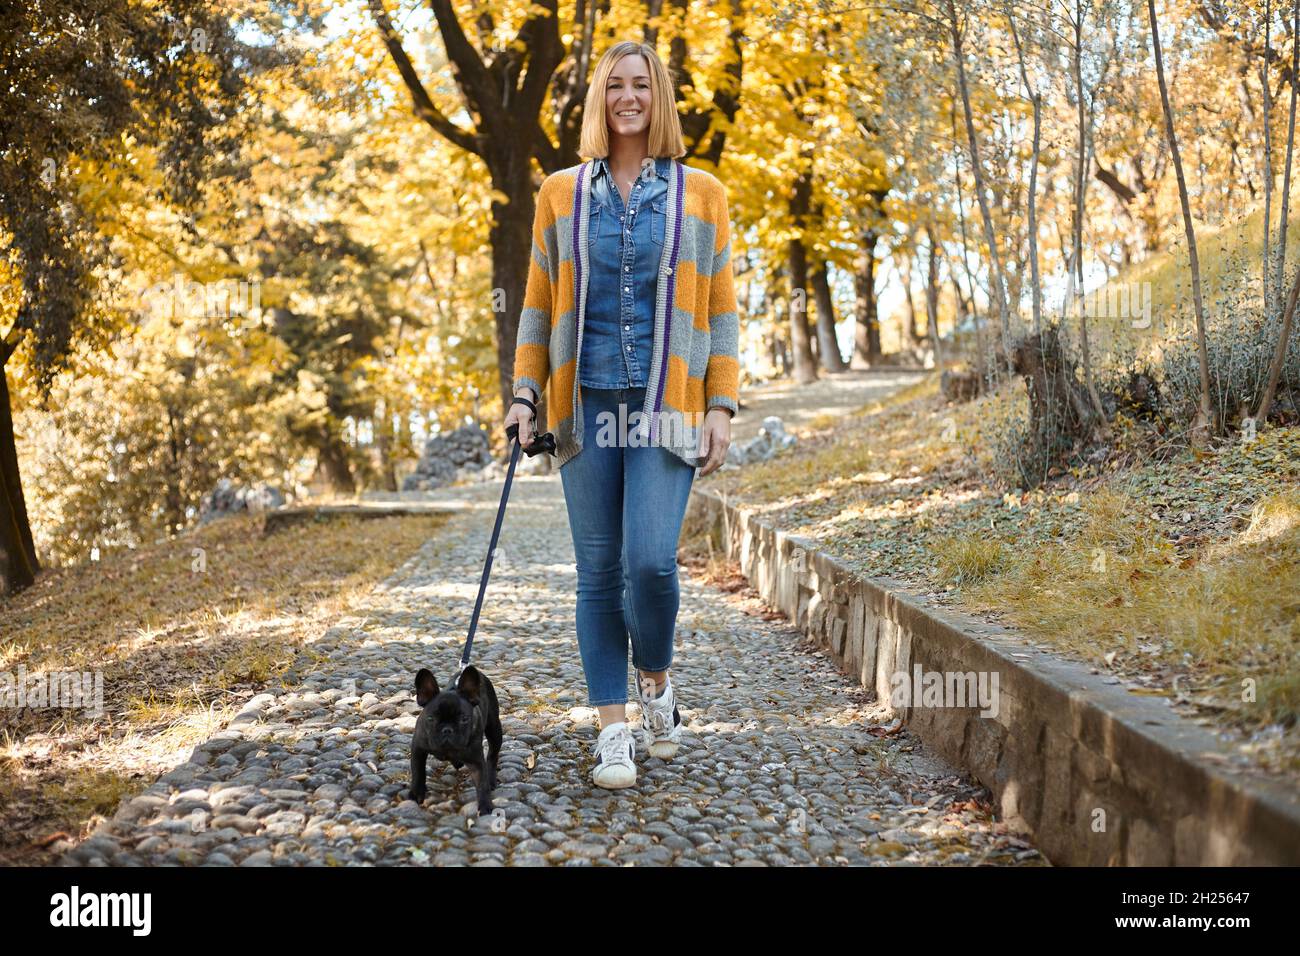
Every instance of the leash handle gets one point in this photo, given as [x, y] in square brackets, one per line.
[541, 443]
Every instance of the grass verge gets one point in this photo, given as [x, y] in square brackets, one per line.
[1175, 572]
[183, 633]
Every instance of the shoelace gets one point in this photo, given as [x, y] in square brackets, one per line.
[614, 747]
[660, 714]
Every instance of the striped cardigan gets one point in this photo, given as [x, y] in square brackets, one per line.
[695, 364]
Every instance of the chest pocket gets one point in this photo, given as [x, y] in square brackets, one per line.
[657, 217]
[603, 225]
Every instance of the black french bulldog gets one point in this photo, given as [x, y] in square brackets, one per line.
[451, 727]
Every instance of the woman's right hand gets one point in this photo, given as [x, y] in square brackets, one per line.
[523, 415]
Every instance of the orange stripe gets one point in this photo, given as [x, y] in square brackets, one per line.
[722, 291]
[531, 360]
[722, 377]
[561, 396]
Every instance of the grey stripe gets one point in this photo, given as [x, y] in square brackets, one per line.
[582, 267]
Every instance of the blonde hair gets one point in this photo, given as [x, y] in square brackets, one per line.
[665, 125]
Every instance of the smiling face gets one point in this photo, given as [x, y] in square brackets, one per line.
[627, 96]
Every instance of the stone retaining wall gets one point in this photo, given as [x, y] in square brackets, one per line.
[1095, 774]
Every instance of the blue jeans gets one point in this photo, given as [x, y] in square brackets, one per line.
[626, 506]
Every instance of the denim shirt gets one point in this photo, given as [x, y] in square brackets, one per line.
[618, 332]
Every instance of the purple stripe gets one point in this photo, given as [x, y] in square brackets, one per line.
[577, 261]
[668, 311]
[578, 305]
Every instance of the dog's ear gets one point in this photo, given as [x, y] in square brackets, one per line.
[470, 683]
[426, 686]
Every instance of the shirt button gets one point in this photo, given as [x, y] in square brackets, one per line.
[627, 326]
[629, 348]
[627, 288]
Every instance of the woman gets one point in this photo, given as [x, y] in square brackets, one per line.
[630, 317]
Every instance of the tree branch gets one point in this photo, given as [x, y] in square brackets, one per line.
[1121, 189]
[423, 105]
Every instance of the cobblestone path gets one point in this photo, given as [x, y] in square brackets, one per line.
[783, 760]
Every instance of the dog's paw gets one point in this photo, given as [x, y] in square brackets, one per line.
[485, 808]
[417, 795]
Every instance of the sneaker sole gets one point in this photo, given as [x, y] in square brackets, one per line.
[664, 749]
[608, 784]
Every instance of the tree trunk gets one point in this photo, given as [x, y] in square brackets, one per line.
[17, 549]
[977, 168]
[174, 495]
[932, 299]
[829, 343]
[908, 333]
[1057, 413]
[1080, 187]
[911, 318]
[966, 310]
[1270, 291]
[1290, 147]
[1204, 424]
[781, 359]
[1279, 353]
[386, 444]
[511, 238]
[1036, 100]
[982, 363]
[332, 462]
[805, 364]
[866, 315]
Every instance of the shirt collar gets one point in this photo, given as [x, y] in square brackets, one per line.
[602, 167]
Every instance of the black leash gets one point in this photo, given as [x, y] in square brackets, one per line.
[539, 444]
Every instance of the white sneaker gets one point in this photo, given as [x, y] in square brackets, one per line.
[661, 724]
[615, 749]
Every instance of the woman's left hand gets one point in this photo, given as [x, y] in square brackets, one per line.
[715, 437]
